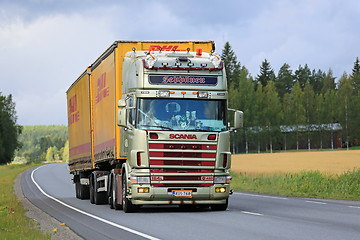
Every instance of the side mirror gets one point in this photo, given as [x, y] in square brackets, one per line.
[122, 103]
[121, 119]
[238, 119]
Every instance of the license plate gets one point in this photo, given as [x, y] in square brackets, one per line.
[182, 193]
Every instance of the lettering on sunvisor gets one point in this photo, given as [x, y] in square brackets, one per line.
[182, 80]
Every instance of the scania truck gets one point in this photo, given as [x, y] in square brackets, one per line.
[148, 125]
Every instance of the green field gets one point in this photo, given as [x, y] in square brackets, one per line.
[13, 222]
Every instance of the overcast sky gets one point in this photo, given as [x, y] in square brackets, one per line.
[46, 44]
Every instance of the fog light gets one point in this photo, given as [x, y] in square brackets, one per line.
[220, 189]
[143, 190]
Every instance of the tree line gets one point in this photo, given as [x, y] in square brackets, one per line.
[293, 109]
[44, 143]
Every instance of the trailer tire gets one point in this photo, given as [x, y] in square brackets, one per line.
[84, 190]
[99, 197]
[77, 186]
[127, 205]
[92, 199]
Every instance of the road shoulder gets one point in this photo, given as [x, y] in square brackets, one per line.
[47, 224]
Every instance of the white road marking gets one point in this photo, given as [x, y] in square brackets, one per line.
[354, 207]
[89, 214]
[252, 213]
[322, 203]
[262, 196]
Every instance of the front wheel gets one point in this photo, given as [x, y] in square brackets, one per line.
[113, 200]
[128, 207]
[220, 207]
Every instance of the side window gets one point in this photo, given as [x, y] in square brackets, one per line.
[131, 110]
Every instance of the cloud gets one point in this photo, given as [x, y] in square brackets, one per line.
[46, 44]
[46, 55]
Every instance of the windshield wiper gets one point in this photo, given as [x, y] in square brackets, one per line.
[157, 126]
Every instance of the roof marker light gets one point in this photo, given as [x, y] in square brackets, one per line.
[203, 94]
[164, 93]
[198, 52]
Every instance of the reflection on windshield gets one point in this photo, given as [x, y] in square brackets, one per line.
[181, 114]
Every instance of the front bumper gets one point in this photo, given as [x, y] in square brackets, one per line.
[164, 195]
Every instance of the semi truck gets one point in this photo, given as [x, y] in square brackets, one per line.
[148, 125]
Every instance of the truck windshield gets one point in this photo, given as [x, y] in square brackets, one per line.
[181, 114]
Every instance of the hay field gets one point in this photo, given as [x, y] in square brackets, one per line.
[327, 162]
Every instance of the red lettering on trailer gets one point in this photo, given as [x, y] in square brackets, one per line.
[102, 90]
[164, 47]
[74, 115]
[182, 136]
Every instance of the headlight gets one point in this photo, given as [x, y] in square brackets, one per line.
[222, 179]
[140, 180]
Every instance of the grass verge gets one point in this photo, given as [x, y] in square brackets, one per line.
[13, 222]
[312, 184]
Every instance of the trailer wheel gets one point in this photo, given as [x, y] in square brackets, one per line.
[113, 199]
[92, 190]
[220, 207]
[77, 183]
[128, 207]
[84, 190]
[99, 197]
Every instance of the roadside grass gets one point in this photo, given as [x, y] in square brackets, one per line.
[13, 222]
[312, 184]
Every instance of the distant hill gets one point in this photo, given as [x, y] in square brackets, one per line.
[41, 140]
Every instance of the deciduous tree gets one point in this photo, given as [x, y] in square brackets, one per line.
[9, 130]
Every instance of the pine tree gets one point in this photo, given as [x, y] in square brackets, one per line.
[317, 80]
[329, 82]
[284, 81]
[266, 73]
[302, 75]
[356, 75]
[232, 66]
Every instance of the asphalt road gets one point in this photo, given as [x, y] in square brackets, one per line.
[249, 216]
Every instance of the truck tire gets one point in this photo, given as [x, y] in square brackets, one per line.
[113, 195]
[92, 199]
[84, 190]
[220, 207]
[77, 187]
[127, 205]
[99, 197]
